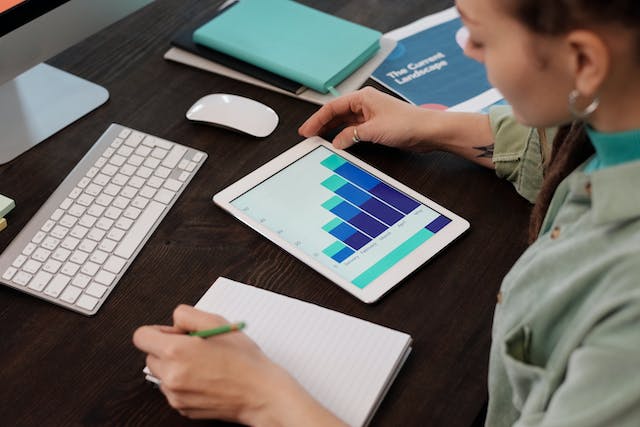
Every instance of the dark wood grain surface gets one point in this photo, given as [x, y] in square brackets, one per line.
[60, 368]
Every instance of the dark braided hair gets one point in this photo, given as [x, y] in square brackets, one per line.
[571, 146]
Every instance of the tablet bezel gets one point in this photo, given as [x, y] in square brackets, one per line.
[390, 278]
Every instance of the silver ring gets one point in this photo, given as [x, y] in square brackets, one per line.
[355, 137]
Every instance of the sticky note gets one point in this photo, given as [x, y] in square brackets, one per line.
[3, 223]
[6, 204]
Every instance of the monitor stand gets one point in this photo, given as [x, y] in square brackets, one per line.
[40, 102]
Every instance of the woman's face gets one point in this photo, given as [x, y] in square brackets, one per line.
[531, 71]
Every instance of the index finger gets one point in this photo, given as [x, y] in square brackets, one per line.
[151, 339]
[322, 120]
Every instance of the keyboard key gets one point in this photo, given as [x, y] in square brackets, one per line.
[40, 280]
[174, 157]
[61, 254]
[39, 237]
[81, 280]
[50, 243]
[172, 184]
[114, 264]
[52, 266]
[90, 268]
[79, 257]
[41, 254]
[105, 278]
[70, 294]
[31, 266]
[124, 133]
[134, 139]
[22, 278]
[9, 273]
[57, 285]
[139, 230]
[164, 196]
[20, 259]
[96, 290]
[87, 302]
[59, 232]
[48, 226]
[99, 257]
[70, 269]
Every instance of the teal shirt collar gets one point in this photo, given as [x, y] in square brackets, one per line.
[613, 149]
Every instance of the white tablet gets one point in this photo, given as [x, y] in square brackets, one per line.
[353, 224]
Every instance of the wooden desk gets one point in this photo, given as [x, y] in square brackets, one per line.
[61, 368]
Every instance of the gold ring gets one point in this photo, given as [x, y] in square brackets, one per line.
[355, 137]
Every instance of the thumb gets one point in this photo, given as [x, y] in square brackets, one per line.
[189, 319]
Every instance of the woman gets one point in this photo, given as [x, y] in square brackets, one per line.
[566, 333]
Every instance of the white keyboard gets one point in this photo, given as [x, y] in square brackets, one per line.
[79, 244]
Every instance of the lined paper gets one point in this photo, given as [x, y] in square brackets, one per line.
[344, 362]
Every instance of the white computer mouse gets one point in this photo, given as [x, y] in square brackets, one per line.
[234, 112]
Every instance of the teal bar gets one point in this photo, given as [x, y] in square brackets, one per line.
[333, 162]
[333, 249]
[331, 225]
[333, 183]
[332, 203]
[392, 258]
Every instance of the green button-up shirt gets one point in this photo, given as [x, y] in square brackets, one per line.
[566, 334]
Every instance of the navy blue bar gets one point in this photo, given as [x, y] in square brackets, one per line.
[357, 176]
[345, 211]
[343, 231]
[438, 224]
[343, 254]
[394, 198]
[357, 240]
[381, 211]
[353, 194]
[368, 225]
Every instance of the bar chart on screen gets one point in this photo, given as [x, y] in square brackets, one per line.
[343, 216]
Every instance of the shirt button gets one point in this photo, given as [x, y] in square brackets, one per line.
[555, 233]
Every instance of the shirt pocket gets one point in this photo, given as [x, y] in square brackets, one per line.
[525, 378]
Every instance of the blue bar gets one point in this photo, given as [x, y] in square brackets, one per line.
[357, 240]
[343, 254]
[353, 194]
[345, 211]
[438, 224]
[394, 198]
[357, 176]
[368, 225]
[382, 211]
[343, 232]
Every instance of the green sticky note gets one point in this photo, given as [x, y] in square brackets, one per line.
[6, 204]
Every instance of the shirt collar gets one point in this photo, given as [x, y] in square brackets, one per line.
[614, 191]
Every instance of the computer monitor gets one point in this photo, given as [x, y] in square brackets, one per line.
[37, 100]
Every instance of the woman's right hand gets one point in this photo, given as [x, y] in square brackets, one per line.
[378, 118]
[383, 119]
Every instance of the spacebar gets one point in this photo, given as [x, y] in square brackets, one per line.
[137, 233]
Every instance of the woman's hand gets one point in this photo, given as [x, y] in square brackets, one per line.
[378, 118]
[383, 119]
[223, 377]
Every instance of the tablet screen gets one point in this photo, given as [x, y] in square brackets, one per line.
[341, 215]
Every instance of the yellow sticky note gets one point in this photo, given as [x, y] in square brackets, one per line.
[3, 223]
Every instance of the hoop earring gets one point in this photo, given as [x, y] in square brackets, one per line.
[587, 111]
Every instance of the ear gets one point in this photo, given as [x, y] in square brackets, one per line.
[590, 61]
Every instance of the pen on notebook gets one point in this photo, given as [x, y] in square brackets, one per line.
[219, 330]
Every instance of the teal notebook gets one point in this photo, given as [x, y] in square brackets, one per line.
[287, 38]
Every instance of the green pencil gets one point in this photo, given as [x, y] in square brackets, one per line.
[219, 330]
